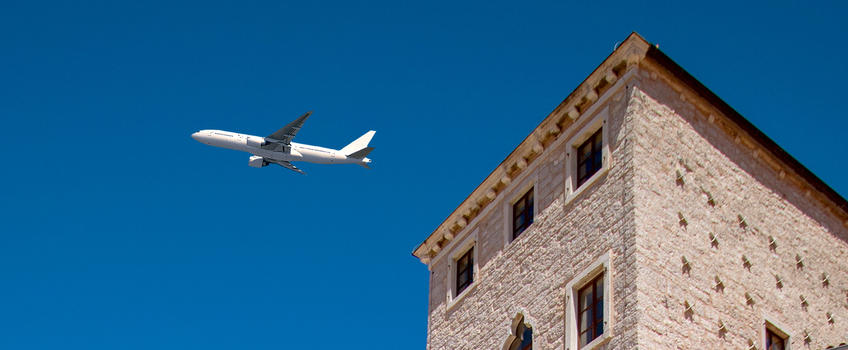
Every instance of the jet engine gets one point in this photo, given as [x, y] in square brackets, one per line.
[257, 162]
[257, 142]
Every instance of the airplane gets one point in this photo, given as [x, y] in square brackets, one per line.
[277, 148]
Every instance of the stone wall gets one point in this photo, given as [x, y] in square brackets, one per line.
[529, 275]
[698, 227]
[704, 198]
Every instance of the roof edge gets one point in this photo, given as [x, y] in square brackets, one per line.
[655, 54]
[632, 50]
[628, 53]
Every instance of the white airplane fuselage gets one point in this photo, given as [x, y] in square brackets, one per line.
[253, 144]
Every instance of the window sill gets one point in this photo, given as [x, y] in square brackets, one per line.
[589, 183]
[529, 230]
[455, 300]
[598, 342]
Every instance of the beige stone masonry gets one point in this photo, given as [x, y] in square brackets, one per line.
[708, 232]
[567, 113]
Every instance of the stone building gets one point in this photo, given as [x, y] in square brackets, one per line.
[642, 213]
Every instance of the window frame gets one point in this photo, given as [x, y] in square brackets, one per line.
[595, 151]
[469, 243]
[598, 122]
[600, 268]
[772, 327]
[515, 191]
[592, 309]
[468, 271]
[529, 210]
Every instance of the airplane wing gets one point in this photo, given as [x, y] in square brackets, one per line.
[286, 165]
[286, 134]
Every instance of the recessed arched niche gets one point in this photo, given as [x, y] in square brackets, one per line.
[521, 335]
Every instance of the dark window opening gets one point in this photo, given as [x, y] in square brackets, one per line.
[464, 271]
[590, 307]
[774, 341]
[522, 214]
[525, 342]
[526, 339]
[590, 157]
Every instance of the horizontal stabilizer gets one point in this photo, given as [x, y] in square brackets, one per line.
[361, 153]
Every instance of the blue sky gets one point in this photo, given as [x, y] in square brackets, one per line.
[118, 231]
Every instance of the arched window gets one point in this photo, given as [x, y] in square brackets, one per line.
[522, 335]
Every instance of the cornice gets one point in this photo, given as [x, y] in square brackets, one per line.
[569, 111]
[634, 52]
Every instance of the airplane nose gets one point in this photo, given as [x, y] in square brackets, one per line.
[196, 136]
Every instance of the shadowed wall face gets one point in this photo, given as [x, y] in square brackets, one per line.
[700, 232]
[708, 196]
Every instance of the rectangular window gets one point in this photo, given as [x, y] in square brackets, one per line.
[774, 341]
[590, 157]
[464, 271]
[589, 300]
[590, 307]
[522, 214]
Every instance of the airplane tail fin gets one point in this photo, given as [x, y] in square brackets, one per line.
[359, 147]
